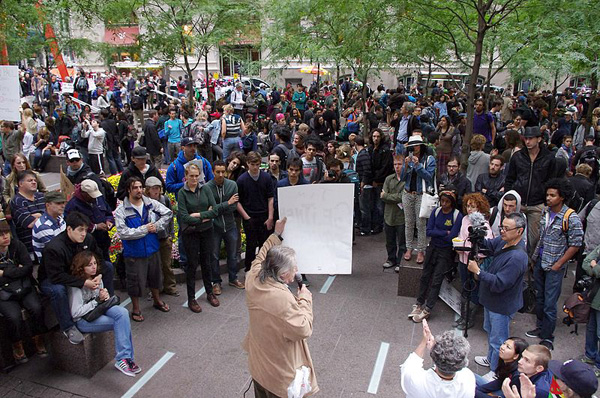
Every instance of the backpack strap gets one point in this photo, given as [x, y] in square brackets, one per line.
[565, 220]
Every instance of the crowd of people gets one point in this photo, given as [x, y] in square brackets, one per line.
[530, 182]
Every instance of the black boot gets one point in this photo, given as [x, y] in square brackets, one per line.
[463, 311]
[471, 318]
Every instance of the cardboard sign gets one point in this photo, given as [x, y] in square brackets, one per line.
[10, 97]
[319, 226]
[450, 296]
[67, 88]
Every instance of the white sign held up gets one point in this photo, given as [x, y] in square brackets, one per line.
[67, 88]
[319, 226]
[10, 98]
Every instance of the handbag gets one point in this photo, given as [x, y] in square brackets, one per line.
[101, 309]
[529, 293]
[15, 290]
[429, 202]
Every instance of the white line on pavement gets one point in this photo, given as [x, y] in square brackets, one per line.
[378, 370]
[148, 375]
[197, 296]
[125, 302]
[327, 284]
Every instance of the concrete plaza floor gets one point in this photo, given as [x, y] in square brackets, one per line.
[201, 354]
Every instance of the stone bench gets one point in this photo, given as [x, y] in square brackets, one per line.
[409, 278]
[55, 161]
[85, 359]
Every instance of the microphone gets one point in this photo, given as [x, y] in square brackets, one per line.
[477, 219]
[298, 278]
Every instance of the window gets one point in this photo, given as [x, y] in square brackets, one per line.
[238, 59]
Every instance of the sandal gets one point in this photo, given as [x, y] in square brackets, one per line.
[137, 317]
[162, 307]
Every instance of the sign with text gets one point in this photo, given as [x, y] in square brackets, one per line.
[451, 296]
[67, 88]
[10, 98]
[319, 226]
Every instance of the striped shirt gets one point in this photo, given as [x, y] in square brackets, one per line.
[44, 229]
[22, 210]
[233, 124]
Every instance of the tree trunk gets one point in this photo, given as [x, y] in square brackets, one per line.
[206, 71]
[428, 78]
[364, 96]
[489, 79]
[481, 31]
[553, 99]
[593, 96]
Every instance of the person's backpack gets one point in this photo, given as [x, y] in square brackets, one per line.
[578, 306]
[249, 141]
[590, 157]
[137, 103]
[354, 178]
[586, 212]
[82, 84]
[454, 214]
[286, 155]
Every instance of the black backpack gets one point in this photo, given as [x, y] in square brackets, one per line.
[590, 157]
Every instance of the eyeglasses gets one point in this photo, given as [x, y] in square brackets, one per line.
[505, 229]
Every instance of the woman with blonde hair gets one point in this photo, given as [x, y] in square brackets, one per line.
[18, 164]
[44, 148]
[30, 126]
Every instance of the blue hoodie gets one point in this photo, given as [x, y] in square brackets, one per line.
[176, 172]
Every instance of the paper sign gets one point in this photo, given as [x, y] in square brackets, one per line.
[319, 226]
[215, 75]
[91, 84]
[10, 98]
[67, 88]
[450, 296]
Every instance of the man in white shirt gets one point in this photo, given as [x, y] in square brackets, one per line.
[449, 377]
[237, 100]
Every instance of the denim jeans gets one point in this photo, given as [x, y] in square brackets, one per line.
[230, 237]
[548, 285]
[231, 145]
[41, 158]
[592, 337]
[167, 158]
[116, 318]
[366, 209]
[497, 327]
[395, 242]
[114, 162]
[59, 298]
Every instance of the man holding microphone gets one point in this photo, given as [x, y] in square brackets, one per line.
[280, 322]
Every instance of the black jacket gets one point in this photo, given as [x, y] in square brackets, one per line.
[17, 252]
[86, 173]
[528, 178]
[58, 256]
[459, 182]
[584, 187]
[381, 162]
[132, 171]
[153, 144]
[112, 134]
[493, 185]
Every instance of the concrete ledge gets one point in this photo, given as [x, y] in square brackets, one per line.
[409, 278]
[83, 359]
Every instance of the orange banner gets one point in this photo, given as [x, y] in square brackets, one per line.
[51, 37]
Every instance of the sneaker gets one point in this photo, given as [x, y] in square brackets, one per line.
[534, 333]
[482, 361]
[388, 264]
[217, 289]
[587, 360]
[548, 344]
[397, 269]
[423, 315]
[74, 335]
[416, 310]
[134, 368]
[489, 376]
[237, 284]
[124, 367]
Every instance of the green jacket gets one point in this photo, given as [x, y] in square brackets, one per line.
[189, 202]
[595, 272]
[225, 221]
[393, 215]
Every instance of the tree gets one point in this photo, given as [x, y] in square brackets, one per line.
[470, 31]
[190, 29]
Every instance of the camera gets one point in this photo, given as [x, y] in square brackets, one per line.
[331, 174]
[410, 149]
[583, 284]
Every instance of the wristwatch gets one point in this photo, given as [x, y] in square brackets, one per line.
[279, 236]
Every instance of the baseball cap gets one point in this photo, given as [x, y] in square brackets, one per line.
[188, 141]
[138, 152]
[531, 132]
[578, 376]
[73, 154]
[153, 182]
[91, 188]
[55, 197]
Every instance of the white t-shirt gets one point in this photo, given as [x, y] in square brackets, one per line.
[309, 168]
[420, 383]
[140, 208]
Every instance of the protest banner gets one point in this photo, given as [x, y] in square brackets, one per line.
[10, 98]
[319, 226]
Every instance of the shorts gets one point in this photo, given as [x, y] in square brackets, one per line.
[142, 272]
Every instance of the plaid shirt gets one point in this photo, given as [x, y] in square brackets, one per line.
[553, 241]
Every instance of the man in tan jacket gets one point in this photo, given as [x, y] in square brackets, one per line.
[280, 322]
